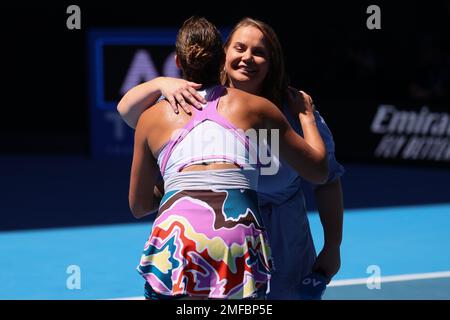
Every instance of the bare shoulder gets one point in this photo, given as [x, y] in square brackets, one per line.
[254, 111]
[152, 117]
[253, 102]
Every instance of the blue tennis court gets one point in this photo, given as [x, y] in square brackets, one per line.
[406, 244]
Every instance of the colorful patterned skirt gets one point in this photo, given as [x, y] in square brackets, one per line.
[209, 244]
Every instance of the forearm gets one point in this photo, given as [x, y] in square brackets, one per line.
[331, 210]
[138, 99]
[311, 133]
[318, 150]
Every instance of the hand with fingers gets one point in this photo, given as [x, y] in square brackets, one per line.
[328, 261]
[182, 94]
[299, 102]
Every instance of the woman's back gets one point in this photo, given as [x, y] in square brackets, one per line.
[208, 238]
[214, 138]
[165, 123]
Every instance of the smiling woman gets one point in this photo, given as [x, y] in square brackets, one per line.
[247, 59]
[208, 239]
[254, 61]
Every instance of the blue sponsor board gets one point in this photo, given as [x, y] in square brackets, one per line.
[118, 61]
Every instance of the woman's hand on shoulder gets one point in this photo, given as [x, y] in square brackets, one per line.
[181, 94]
[300, 103]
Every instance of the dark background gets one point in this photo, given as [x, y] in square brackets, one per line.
[48, 176]
[330, 53]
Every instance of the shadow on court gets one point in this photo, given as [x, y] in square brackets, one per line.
[46, 192]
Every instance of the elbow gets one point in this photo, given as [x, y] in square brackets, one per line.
[136, 211]
[121, 108]
[124, 112]
[140, 210]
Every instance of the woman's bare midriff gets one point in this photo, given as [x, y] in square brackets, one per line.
[210, 166]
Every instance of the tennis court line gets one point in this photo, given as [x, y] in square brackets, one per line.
[128, 298]
[397, 278]
[359, 281]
